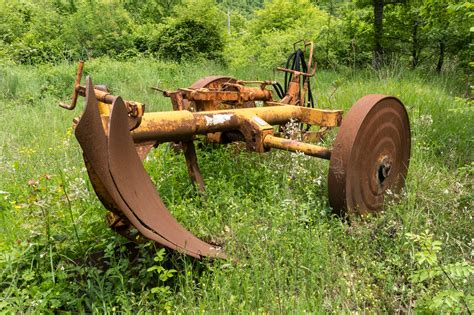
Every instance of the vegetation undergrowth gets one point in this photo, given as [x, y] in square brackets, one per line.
[269, 212]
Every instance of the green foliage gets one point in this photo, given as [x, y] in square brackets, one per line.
[432, 274]
[431, 34]
[195, 31]
[48, 34]
[9, 82]
[14, 20]
[189, 39]
[151, 11]
[162, 291]
[245, 7]
[98, 28]
[38, 39]
[272, 32]
[204, 11]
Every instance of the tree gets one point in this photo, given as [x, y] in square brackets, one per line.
[447, 26]
[405, 31]
[153, 11]
[196, 30]
[378, 25]
[274, 29]
[378, 32]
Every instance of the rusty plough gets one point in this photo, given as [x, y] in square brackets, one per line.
[369, 156]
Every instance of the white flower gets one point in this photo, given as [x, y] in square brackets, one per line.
[425, 120]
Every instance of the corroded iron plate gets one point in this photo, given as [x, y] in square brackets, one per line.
[370, 155]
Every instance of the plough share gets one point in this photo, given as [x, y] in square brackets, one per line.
[369, 156]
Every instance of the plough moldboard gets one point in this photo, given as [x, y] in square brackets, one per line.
[369, 156]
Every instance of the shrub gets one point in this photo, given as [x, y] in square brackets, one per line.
[188, 39]
[98, 28]
[50, 32]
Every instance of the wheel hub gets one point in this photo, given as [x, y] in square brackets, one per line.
[383, 171]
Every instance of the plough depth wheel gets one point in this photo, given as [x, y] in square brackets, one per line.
[370, 155]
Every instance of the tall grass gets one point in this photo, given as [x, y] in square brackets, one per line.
[270, 212]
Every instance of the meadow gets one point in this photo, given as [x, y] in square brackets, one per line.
[269, 211]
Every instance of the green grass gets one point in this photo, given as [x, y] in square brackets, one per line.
[270, 211]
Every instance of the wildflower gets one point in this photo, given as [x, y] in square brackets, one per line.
[425, 120]
[318, 180]
[33, 182]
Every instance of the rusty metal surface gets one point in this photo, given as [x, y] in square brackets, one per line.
[192, 164]
[297, 146]
[94, 143]
[144, 148]
[75, 91]
[139, 193]
[187, 147]
[183, 125]
[236, 97]
[219, 83]
[370, 155]
[214, 82]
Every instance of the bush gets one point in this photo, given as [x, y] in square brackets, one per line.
[99, 28]
[187, 39]
[47, 32]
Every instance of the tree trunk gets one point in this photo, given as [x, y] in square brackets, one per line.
[378, 33]
[439, 66]
[414, 48]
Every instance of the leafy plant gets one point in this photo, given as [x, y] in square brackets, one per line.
[189, 39]
[433, 274]
[162, 291]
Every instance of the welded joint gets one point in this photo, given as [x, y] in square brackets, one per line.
[254, 129]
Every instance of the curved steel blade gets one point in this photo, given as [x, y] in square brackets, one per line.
[93, 141]
[138, 191]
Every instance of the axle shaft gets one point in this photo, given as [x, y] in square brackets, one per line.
[296, 146]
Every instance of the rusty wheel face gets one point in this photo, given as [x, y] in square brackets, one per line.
[370, 155]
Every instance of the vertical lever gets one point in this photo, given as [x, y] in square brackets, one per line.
[75, 91]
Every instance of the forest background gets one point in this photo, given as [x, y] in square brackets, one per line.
[432, 34]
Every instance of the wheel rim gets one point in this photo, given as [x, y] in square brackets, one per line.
[370, 155]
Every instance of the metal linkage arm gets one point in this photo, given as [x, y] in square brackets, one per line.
[184, 125]
[75, 91]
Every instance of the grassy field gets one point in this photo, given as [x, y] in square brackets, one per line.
[270, 212]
